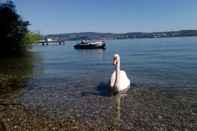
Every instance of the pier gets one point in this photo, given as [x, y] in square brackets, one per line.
[47, 41]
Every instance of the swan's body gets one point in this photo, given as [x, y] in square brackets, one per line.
[123, 82]
[119, 81]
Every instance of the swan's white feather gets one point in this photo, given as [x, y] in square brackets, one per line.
[123, 83]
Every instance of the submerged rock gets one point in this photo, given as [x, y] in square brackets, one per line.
[9, 83]
[141, 109]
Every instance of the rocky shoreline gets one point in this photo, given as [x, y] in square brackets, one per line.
[141, 110]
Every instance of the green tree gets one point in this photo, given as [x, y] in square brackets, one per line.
[12, 29]
[31, 37]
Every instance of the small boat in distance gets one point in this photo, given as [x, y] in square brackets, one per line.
[84, 44]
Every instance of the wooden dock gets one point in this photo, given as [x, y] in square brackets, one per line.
[46, 42]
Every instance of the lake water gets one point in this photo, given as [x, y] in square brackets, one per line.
[64, 82]
[148, 62]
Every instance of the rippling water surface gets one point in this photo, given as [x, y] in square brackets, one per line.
[163, 62]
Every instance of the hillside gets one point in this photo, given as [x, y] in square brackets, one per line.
[129, 35]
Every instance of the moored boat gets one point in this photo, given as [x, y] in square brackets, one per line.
[90, 45]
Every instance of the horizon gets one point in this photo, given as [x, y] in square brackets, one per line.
[52, 17]
[123, 32]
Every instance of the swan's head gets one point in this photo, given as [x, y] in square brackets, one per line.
[116, 59]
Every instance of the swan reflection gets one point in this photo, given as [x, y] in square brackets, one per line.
[117, 109]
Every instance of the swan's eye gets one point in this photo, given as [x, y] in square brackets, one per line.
[115, 58]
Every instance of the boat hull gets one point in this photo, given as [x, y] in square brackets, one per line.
[90, 46]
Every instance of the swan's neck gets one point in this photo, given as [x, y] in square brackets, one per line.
[117, 74]
[118, 67]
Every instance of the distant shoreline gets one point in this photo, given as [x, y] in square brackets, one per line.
[129, 35]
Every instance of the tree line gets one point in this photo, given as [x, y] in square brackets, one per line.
[14, 32]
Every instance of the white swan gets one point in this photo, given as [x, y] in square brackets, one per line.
[119, 81]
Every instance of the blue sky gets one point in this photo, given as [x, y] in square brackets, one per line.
[65, 16]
